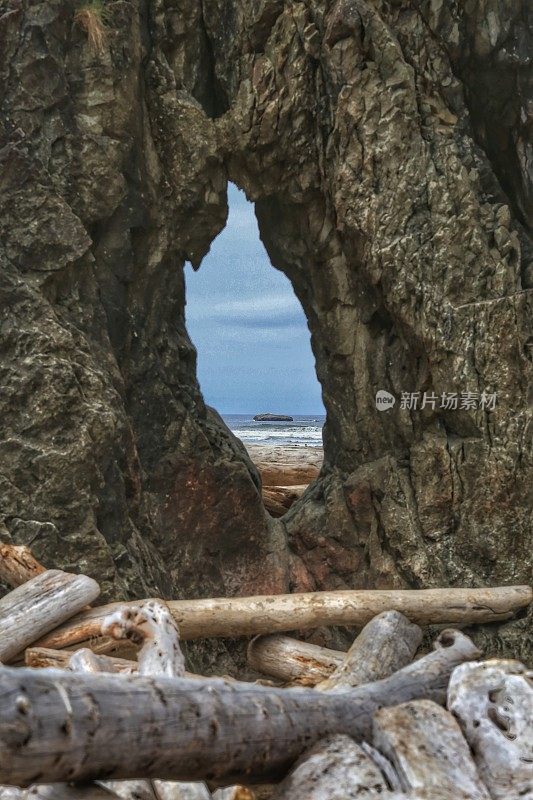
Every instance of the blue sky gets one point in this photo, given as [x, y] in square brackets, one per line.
[254, 351]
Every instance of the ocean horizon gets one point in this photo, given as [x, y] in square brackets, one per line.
[304, 431]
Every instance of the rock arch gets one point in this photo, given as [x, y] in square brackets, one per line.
[348, 124]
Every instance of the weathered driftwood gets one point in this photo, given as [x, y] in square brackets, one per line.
[39, 605]
[428, 751]
[12, 793]
[17, 565]
[131, 790]
[493, 703]
[106, 726]
[387, 643]
[233, 793]
[177, 790]
[152, 627]
[338, 767]
[160, 655]
[69, 791]
[292, 660]
[334, 769]
[85, 661]
[40, 657]
[248, 616]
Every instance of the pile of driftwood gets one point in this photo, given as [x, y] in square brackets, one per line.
[78, 721]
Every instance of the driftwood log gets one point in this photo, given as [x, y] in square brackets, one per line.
[160, 655]
[39, 605]
[428, 751]
[56, 725]
[41, 657]
[387, 643]
[338, 768]
[249, 616]
[17, 565]
[68, 791]
[493, 703]
[292, 660]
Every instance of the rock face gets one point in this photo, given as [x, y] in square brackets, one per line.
[387, 146]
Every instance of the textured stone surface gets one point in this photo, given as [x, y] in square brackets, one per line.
[388, 148]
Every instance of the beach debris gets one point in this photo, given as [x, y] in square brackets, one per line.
[493, 703]
[17, 564]
[387, 643]
[292, 660]
[36, 607]
[249, 616]
[83, 725]
[425, 745]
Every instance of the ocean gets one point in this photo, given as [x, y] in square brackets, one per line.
[305, 431]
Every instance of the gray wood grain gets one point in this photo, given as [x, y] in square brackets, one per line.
[425, 745]
[292, 660]
[337, 768]
[387, 643]
[493, 703]
[249, 616]
[58, 725]
[39, 605]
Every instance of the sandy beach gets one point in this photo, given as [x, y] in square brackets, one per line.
[286, 471]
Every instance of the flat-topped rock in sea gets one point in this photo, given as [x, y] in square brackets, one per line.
[273, 418]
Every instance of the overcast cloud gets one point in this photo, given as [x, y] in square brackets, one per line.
[254, 352]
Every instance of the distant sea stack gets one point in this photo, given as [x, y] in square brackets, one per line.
[273, 418]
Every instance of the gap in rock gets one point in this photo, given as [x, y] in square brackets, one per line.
[254, 356]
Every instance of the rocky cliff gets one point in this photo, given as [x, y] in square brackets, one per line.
[387, 146]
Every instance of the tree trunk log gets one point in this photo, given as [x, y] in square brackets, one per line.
[56, 725]
[39, 605]
[387, 643]
[160, 655]
[233, 793]
[17, 565]
[427, 749]
[177, 790]
[68, 791]
[493, 703]
[42, 657]
[249, 616]
[291, 660]
[338, 768]
[153, 627]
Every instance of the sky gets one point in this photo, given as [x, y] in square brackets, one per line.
[254, 350]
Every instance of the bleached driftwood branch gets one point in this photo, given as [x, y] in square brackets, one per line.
[153, 628]
[338, 766]
[17, 565]
[160, 655]
[387, 643]
[493, 703]
[42, 657]
[428, 751]
[39, 605]
[189, 730]
[292, 660]
[249, 616]
[68, 791]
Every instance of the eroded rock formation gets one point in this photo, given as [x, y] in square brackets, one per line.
[387, 146]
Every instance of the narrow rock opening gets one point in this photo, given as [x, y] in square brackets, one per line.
[255, 358]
